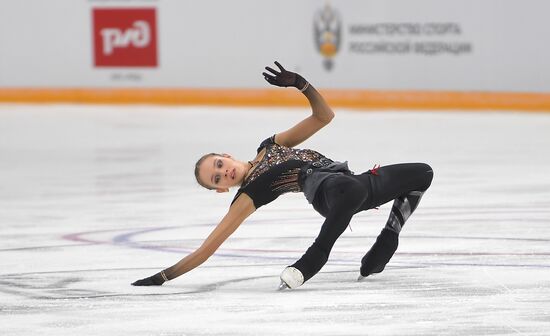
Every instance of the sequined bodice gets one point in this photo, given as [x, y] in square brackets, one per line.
[278, 171]
[276, 154]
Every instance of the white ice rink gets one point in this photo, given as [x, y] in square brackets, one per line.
[93, 198]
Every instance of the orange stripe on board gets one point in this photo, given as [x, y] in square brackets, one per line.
[364, 99]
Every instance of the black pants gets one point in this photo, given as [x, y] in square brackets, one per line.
[341, 196]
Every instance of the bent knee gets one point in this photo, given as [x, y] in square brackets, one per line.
[428, 175]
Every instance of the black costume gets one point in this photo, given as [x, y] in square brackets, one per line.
[337, 194]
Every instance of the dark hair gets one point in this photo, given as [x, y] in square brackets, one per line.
[197, 165]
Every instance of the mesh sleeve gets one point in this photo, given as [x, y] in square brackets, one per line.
[266, 142]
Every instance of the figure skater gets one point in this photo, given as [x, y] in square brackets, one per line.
[333, 190]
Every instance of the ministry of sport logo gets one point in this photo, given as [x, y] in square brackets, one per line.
[327, 30]
[125, 37]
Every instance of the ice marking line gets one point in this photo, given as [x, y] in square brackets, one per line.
[78, 236]
[129, 269]
[481, 238]
[483, 265]
[210, 287]
[127, 239]
[43, 247]
[201, 289]
[178, 248]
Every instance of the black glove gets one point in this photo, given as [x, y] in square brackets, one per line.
[154, 280]
[284, 78]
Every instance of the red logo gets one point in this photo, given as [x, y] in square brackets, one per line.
[125, 37]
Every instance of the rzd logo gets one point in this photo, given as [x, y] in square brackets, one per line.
[139, 36]
[125, 37]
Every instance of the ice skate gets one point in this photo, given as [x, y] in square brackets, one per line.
[380, 253]
[291, 278]
[282, 286]
[363, 277]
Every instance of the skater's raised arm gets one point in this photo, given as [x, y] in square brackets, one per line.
[238, 212]
[321, 113]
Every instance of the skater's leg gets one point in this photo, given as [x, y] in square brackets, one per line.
[389, 182]
[343, 195]
[409, 182]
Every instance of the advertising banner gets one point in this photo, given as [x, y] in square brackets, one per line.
[490, 46]
[125, 37]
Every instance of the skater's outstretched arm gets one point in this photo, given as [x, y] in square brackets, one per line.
[321, 113]
[238, 212]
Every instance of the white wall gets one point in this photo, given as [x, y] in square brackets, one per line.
[226, 44]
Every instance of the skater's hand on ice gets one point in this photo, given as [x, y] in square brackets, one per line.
[154, 280]
[283, 77]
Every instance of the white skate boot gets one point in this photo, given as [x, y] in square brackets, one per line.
[291, 278]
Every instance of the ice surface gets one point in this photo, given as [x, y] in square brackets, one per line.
[93, 198]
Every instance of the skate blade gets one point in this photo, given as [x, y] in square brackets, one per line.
[282, 286]
[361, 278]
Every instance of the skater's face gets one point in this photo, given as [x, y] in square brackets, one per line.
[221, 172]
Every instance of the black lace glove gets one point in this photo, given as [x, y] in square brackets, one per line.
[154, 280]
[285, 78]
